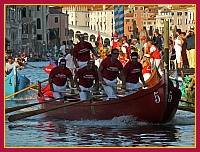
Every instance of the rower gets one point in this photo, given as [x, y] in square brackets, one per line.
[86, 78]
[132, 72]
[58, 79]
[109, 70]
[81, 53]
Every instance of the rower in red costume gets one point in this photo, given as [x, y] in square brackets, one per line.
[133, 72]
[109, 70]
[85, 79]
[81, 52]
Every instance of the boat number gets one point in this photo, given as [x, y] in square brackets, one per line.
[170, 97]
[157, 97]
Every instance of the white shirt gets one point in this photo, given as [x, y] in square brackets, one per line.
[69, 61]
[124, 47]
[62, 49]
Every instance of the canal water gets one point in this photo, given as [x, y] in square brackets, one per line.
[38, 131]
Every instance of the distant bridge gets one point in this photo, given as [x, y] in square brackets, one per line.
[90, 35]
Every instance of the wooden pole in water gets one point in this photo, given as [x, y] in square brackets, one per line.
[166, 61]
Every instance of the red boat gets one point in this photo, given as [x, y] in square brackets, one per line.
[147, 105]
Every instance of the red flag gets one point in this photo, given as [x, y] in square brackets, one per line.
[48, 68]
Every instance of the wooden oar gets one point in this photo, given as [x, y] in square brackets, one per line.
[34, 89]
[7, 110]
[27, 88]
[185, 108]
[40, 111]
[188, 102]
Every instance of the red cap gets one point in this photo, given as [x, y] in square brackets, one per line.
[124, 38]
[143, 38]
[115, 35]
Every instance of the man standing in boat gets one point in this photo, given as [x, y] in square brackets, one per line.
[9, 65]
[109, 70]
[132, 73]
[85, 79]
[81, 53]
[58, 79]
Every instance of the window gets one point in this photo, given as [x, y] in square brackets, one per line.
[56, 20]
[127, 20]
[136, 8]
[172, 21]
[24, 28]
[186, 13]
[179, 13]
[38, 23]
[24, 12]
[38, 8]
[172, 13]
[144, 23]
[29, 13]
[141, 8]
[39, 37]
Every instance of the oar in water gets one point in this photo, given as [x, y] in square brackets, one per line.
[27, 88]
[7, 110]
[40, 111]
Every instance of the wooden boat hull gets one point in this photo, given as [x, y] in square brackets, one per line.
[15, 82]
[147, 105]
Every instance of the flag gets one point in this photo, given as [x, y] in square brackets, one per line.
[119, 20]
[48, 68]
[100, 42]
[100, 47]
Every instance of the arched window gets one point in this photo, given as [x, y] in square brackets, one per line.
[38, 23]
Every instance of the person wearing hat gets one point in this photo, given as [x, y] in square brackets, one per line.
[132, 73]
[85, 79]
[58, 79]
[81, 53]
[114, 42]
[110, 69]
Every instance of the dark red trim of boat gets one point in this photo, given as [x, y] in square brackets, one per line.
[147, 105]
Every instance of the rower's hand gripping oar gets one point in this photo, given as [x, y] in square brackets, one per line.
[40, 111]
